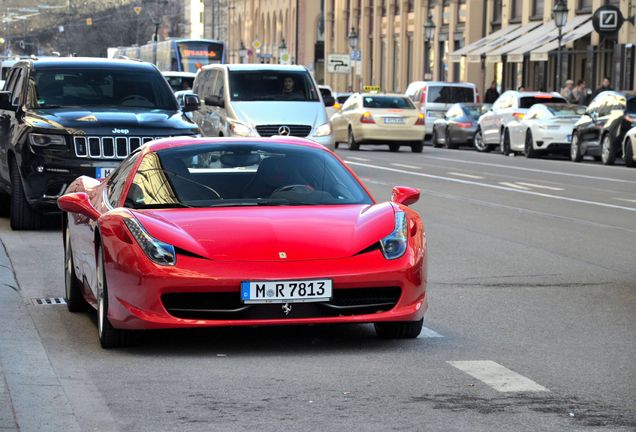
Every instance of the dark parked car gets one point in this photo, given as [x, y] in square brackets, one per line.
[61, 118]
[458, 125]
[601, 130]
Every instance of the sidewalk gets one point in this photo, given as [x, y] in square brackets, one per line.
[31, 396]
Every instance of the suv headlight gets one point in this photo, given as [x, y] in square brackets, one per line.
[323, 130]
[45, 140]
[239, 129]
[158, 251]
[394, 245]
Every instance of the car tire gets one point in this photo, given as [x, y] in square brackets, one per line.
[628, 154]
[504, 145]
[434, 140]
[109, 336]
[608, 150]
[529, 150]
[575, 149]
[75, 301]
[394, 147]
[23, 216]
[5, 204]
[353, 144]
[336, 144]
[417, 146]
[399, 329]
[478, 142]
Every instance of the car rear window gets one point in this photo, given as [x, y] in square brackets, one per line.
[342, 99]
[566, 110]
[385, 102]
[528, 101]
[450, 94]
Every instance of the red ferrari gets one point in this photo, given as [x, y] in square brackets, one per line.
[233, 232]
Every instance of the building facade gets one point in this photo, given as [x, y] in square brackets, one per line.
[215, 19]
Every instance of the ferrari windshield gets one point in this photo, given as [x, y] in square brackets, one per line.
[242, 174]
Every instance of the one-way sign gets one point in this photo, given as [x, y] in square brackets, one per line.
[339, 63]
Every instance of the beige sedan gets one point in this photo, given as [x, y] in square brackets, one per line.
[379, 119]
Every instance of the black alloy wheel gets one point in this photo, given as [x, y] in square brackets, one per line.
[23, 216]
[351, 140]
[575, 149]
[628, 154]
[73, 287]
[394, 147]
[505, 143]
[530, 152]
[417, 146]
[608, 150]
[478, 142]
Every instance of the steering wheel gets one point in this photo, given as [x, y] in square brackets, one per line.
[201, 185]
[289, 188]
[135, 97]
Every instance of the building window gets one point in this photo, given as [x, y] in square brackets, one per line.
[537, 8]
[382, 63]
[396, 9]
[396, 63]
[383, 8]
[446, 13]
[410, 7]
[585, 5]
[409, 58]
[496, 12]
[461, 12]
[515, 12]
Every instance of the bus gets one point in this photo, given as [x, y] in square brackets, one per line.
[178, 55]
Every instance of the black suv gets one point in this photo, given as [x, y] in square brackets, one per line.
[600, 131]
[65, 117]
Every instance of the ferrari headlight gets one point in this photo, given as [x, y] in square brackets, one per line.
[394, 245]
[45, 140]
[158, 251]
[239, 129]
[323, 130]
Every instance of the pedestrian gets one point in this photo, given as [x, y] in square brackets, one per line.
[568, 91]
[580, 93]
[606, 85]
[491, 94]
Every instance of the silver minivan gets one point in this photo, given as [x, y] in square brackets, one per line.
[248, 100]
[434, 98]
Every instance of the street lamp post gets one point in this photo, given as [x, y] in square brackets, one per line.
[560, 15]
[242, 52]
[282, 51]
[353, 43]
[429, 34]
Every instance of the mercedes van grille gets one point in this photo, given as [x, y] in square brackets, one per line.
[294, 130]
[119, 147]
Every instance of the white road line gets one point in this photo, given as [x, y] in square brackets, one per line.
[378, 182]
[533, 170]
[532, 185]
[359, 159]
[458, 174]
[626, 200]
[512, 185]
[405, 166]
[498, 377]
[492, 186]
[428, 333]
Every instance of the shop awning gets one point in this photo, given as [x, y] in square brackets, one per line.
[494, 54]
[583, 28]
[480, 46]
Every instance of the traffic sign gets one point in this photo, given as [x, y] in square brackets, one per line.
[285, 59]
[356, 55]
[137, 9]
[256, 44]
[339, 63]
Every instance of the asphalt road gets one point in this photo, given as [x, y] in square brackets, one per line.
[532, 323]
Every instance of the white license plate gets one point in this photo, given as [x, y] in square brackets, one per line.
[569, 138]
[103, 173]
[297, 291]
[394, 120]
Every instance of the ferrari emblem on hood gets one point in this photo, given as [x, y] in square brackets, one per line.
[282, 255]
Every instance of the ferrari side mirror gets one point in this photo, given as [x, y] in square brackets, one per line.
[405, 195]
[78, 203]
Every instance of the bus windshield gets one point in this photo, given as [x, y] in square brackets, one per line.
[195, 54]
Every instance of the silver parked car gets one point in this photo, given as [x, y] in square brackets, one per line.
[248, 100]
[545, 129]
[511, 106]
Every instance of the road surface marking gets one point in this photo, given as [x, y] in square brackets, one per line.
[360, 159]
[498, 377]
[378, 182]
[534, 170]
[512, 185]
[532, 185]
[492, 186]
[458, 174]
[428, 333]
[405, 166]
[626, 200]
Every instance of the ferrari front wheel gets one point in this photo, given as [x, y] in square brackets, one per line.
[109, 336]
[399, 329]
[74, 299]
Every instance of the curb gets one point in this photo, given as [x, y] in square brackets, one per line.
[31, 395]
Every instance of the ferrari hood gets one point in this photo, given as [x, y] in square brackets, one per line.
[271, 233]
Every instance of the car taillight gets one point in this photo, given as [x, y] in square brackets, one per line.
[464, 125]
[367, 118]
[420, 120]
[423, 96]
[518, 116]
[478, 98]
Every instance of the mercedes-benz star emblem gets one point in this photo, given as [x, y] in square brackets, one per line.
[287, 309]
[284, 131]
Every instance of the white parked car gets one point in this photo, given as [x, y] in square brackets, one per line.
[371, 118]
[179, 80]
[544, 129]
[511, 106]
[629, 148]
